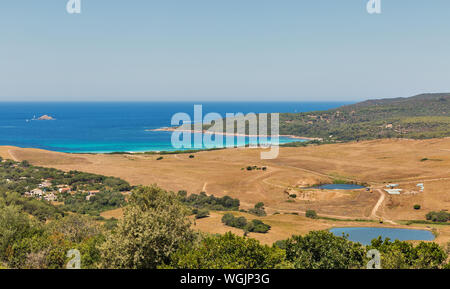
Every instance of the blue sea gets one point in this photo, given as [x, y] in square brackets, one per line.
[89, 127]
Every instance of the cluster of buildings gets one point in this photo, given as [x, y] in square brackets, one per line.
[43, 191]
[393, 189]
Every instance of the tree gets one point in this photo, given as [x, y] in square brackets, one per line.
[226, 251]
[323, 250]
[311, 214]
[228, 219]
[258, 210]
[403, 255]
[259, 227]
[14, 226]
[429, 256]
[76, 228]
[202, 213]
[154, 226]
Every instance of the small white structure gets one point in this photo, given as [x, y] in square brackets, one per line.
[393, 191]
[391, 186]
[421, 187]
[37, 193]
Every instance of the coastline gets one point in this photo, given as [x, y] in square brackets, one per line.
[172, 129]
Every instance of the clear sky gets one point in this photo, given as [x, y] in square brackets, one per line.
[295, 50]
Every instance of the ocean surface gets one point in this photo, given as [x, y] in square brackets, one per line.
[88, 127]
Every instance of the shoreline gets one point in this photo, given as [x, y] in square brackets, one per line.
[172, 129]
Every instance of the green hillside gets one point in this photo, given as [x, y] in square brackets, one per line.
[421, 116]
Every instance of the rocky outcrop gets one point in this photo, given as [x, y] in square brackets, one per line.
[46, 117]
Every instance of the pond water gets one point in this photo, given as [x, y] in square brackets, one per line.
[365, 235]
[340, 187]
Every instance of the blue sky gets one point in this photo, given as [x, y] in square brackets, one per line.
[262, 50]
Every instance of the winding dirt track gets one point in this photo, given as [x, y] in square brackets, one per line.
[11, 153]
[378, 204]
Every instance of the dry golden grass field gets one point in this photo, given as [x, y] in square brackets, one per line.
[404, 162]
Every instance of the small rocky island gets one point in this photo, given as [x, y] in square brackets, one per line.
[45, 117]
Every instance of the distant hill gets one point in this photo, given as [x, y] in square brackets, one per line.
[421, 116]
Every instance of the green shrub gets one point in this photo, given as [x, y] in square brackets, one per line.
[202, 213]
[311, 214]
[259, 227]
[416, 207]
[258, 210]
[323, 250]
[404, 255]
[203, 201]
[441, 216]
[255, 226]
[227, 251]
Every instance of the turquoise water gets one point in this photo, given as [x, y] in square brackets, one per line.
[365, 235]
[85, 127]
[340, 187]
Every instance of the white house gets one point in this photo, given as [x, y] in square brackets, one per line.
[37, 193]
[393, 191]
[391, 186]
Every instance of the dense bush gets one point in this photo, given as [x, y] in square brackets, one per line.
[202, 213]
[441, 216]
[203, 201]
[98, 203]
[226, 251]
[311, 214]
[323, 250]
[258, 210]
[154, 226]
[255, 168]
[404, 255]
[29, 244]
[255, 226]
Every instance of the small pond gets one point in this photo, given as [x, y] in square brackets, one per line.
[365, 235]
[340, 187]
